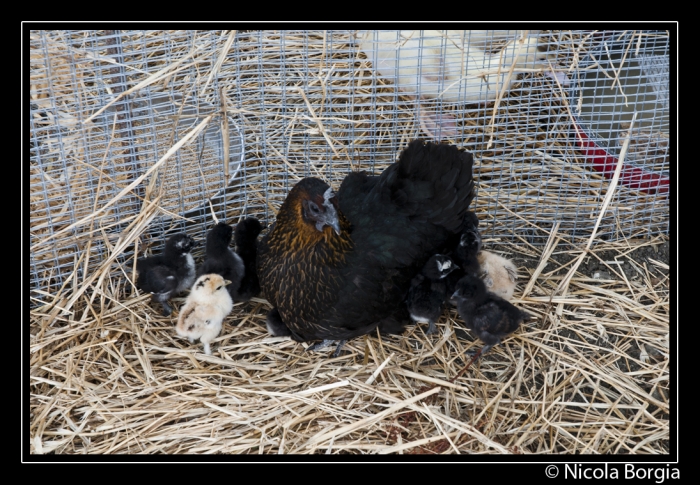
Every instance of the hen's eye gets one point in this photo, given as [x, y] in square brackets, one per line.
[314, 208]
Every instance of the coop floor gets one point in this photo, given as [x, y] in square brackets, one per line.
[590, 375]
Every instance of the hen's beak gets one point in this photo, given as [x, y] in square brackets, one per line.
[329, 222]
[329, 218]
[335, 225]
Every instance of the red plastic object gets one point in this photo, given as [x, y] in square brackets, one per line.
[631, 175]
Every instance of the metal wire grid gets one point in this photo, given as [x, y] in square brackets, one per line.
[313, 104]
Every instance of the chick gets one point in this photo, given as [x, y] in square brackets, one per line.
[220, 259]
[428, 291]
[246, 239]
[170, 273]
[488, 315]
[465, 254]
[499, 274]
[275, 325]
[205, 309]
[463, 251]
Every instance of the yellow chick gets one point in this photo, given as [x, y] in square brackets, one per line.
[205, 309]
[499, 274]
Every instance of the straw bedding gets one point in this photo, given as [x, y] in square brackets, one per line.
[108, 374]
[590, 376]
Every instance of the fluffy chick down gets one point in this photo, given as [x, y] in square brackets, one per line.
[498, 273]
[246, 238]
[428, 291]
[489, 316]
[170, 273]
[205, 309]
[219, 258]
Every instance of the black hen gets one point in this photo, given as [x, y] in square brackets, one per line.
[428, 291]
[170, 273]
[488, 315]
[221, 259]
[338, 266]
[246, 239]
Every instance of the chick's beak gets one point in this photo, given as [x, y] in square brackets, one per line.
[227, 282]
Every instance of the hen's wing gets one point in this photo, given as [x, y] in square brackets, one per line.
[408, 211]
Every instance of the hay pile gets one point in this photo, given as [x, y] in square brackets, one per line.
[109, 375]
[589, 376]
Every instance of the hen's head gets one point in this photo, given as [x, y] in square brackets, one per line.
[314, 206]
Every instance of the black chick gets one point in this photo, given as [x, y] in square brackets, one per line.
[337, 266]
[220, 259]
[488, 315]
[170, 273]
[465, 254]
[428, 291]
[275, 325]
[464, 250]
[246, 239]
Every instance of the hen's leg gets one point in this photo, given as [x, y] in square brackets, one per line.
[336, 353]
[325, 343]
[321, 345]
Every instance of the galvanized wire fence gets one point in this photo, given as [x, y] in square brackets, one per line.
[544, 112]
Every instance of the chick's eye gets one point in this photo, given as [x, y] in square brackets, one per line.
[219, 288]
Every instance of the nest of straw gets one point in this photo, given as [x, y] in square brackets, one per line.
[109, 375]
[589, 376]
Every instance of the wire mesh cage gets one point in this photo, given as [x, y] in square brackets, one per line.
[135, 135]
